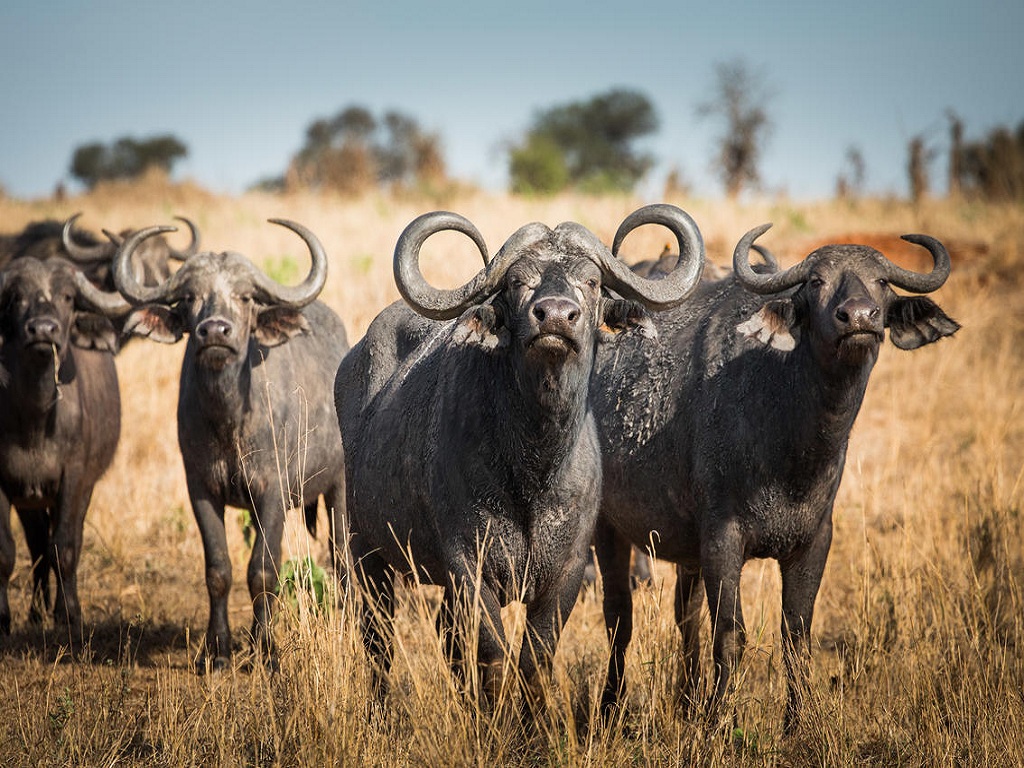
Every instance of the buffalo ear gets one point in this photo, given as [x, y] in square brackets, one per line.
[275, 325]
[94, 331]
[625, 316]
[775, 325]
[481, 326]
[156, 322]
[917, 320]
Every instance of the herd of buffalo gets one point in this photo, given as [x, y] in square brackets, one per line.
[495, 434]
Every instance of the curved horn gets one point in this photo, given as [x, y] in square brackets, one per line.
[84, 254]
[671, 290]
[300, 295]
[109, 303]
[193, 247]
[764, 283]
[769, 258]
[124, 278]
[440, 304]
[919, 282]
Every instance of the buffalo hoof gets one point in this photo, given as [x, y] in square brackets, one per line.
[206, 665]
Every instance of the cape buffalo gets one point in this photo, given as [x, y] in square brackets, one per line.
[256, 423]
[472, 454]
[60, 419]
[49, 239]
[727, 440]
[151, 260]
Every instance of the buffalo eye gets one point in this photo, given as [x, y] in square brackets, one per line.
[882, 282]
[816, 281]
[592, 283]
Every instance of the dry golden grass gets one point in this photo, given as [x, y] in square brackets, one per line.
[919, 631]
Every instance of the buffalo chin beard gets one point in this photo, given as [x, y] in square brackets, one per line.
[551, 345]
[215, 357]
[858, 347]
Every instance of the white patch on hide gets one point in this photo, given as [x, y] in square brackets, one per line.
[768, 328]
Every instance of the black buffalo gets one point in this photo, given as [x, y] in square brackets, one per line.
[60, 419]
[727, 440]
[256, 422]
[473, 458]
[49, 239]
[151, 260]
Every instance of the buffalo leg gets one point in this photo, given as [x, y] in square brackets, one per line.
[451, 633]
[36, 524]
[689, 600]
[801, 577]
[613, 554]
[722, 563]
[263, 573]
[492, 648]
[545, 619]
[464, 595]
[210, 519]
[6, 562]
[378, 612]
[71, 507]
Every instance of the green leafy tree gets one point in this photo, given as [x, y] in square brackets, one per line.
[537, 167]
[125, 158]
[589, 145]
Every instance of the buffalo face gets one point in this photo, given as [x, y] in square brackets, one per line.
[47, 305]
[843, 302]
[221, 300]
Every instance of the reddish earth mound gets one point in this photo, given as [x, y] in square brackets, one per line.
[907, 255]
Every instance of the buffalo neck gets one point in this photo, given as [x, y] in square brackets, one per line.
[220, 394]
[544, 409]
[814, 408]
[33, 383]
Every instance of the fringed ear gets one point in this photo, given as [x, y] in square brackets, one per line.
[155, 322]
[774, 325]
[275, 325]
[917, 320]
[481, 326]
[94, 331]
[624, 316]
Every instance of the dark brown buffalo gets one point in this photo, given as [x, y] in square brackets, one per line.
[60, 418]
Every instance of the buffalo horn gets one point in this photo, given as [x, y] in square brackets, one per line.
[84, 254]
[673, 288]
[441, 304]
[764, 282]
[919, 282]
[124, 277]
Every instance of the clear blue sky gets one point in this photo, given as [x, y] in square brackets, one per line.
[240, 82]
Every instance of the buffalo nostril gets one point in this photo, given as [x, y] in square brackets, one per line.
[556, 309]
[41, 328]
[842, 315]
